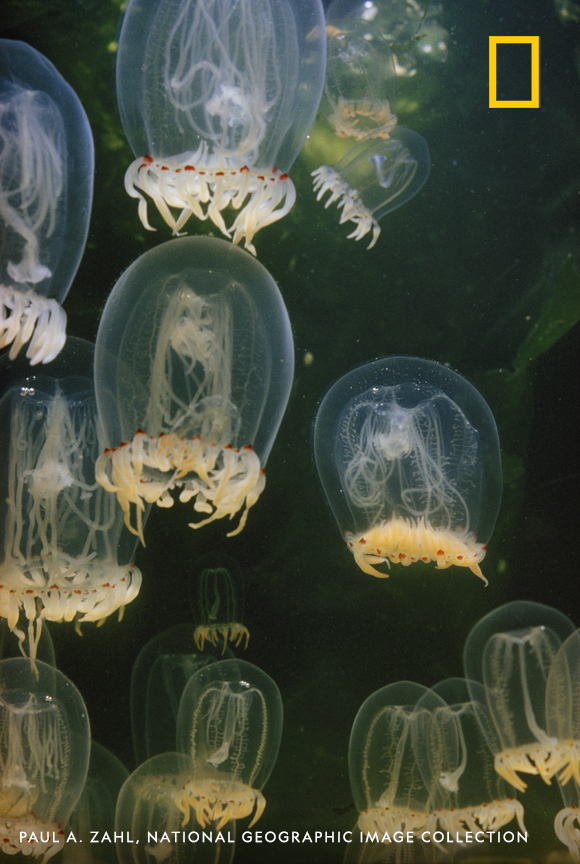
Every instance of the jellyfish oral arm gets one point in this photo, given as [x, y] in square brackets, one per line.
[405, 541]
[26, 316]
[204, 186]
[221, 479]
[353, 210]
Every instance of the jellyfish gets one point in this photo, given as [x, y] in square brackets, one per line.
[46, 189]
[217, 593]
[375, 178]
[66, 554]
[388, 790]
[158, 679]
[148, 815]
[230, 726]
[216, 99]
[359, 85]
[456, 766]
[44, 755]
[193, 369]
[408, 455]
[511, 651]
[95, 810]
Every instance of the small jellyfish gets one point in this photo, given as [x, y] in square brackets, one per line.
[375, 178]
[44, 755]
[148, 814]
[511, 651]
[230, 726]
[193, 369]
[219, 95]
[388, 790]
[408, 455]
[66, 554]
[465, 793]
[359, 86]
[158, 678]
[46, 189]
[217, 593]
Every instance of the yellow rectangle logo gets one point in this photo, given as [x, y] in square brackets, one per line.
[534, 102]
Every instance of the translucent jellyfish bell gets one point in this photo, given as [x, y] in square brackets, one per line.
[375, 178]
[193, 369]
[511, 651]
[359, 86]
[66, 554]
[563, 707]
[388, 790]
[217, 593]
[44, 755]
[465, 792]
[408, 455]
[46, 189]
[230, 725]
[220, 96]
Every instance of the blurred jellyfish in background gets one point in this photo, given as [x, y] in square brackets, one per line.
[194, 364]
[373, 179]
[44, 755]
[465, 793]
[216, 99]
[230, 726]
[158, 678]
[359, 86]
[95, 810]
[511, 652]
[408, 455]
[46, 190]
[217, 594]
[148, 813]
[66, 555]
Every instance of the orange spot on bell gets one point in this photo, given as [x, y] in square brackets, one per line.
[440, 552]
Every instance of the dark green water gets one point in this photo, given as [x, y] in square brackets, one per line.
[459, 275]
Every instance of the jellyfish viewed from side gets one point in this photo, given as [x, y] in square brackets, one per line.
[511, 652]
[359, 85]
[44, 756]
[408, 455]
[46, 188]
[66, 554]
[194, 363]
[230, 726]
[373, 178]
[217, 594]
[216, 99]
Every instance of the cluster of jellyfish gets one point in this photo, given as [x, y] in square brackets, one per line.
[438, 770]
[182, 397]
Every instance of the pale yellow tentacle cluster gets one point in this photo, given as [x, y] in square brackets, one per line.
[405, 541]
[205, 192]
[234, 633]
[548, 760]
[353, 210]
[387, 820]
[486, 817]
[221, 479]
[32, 845]
[219, 801]
[377, 118]
[29, 317]
[567, 830]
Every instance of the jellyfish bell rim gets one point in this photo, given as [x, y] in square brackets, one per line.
[333, 404]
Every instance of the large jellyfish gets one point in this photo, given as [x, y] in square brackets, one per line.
[46, 189]
[216, 98]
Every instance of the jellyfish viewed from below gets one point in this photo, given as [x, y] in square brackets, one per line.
[465, 793]
[408, 455]
[511, 652]
[46, 188]
[374, 178]
[359, 85]
[44, 756]
[193, 369]
[230, 726]
[66, 554]
[217, 594]
[216, 99]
